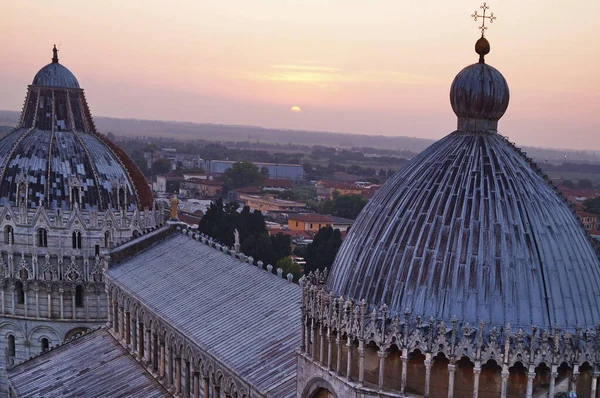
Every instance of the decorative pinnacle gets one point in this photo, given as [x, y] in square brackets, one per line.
[491, 17]
[54, 55]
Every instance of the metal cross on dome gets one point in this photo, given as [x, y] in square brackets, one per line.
[491, 17]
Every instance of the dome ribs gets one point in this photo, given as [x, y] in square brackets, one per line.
[470, 229]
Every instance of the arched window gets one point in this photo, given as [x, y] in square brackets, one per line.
[106, 238]
[136, 233]
[42, 237]
[23, 274]
[79, 296]
[45, 344]
[76, 240]
[19, 292]
[11, 346]
[9, 235]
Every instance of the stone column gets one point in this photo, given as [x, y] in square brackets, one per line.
[530, 377]
[427, 373]
[61, 293]
[109, 321]
[361, 361]
[141, 339]
[574, 378]
[178, 375]
[349, 364]
[122, 326]
[451, 371]
[155, 352]
[73, 307]
[169, 366]
[25, 294]
[506, 373]
[382, 355]
[196, 384]
[12, 295]
[128, 328]
[86, 305]
[148, 346]
[338, 365]
[161, 370]
[594, 386]
[50, 306]
[303, 335]
[186, 372]
[37, 301]
[134, 339]
[2, 298]
[329, 349]
[476, 374]
[404, 359]
[312, 339]
[217, 391]
[206, 387]
[308, 342]
[321, 345]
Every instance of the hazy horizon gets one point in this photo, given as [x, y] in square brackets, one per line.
[384, 68]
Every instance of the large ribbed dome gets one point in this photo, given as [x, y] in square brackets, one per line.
[55, 156]
[471, 228]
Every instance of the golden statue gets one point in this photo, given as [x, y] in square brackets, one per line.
[174, 202]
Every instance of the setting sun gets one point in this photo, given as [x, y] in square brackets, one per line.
[296, 109]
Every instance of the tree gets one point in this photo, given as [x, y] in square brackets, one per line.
[289, 266]
[242, 174]
[584, 184]
[221, 220]
[264, 171]
[592, 205]
[282, 245]
[568, 184]
[161, 166]
[321, 253]
[347, 206]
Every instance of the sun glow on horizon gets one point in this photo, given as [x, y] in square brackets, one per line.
[296, 109]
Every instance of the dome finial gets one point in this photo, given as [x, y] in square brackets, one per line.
[482, 47]
[54, 55]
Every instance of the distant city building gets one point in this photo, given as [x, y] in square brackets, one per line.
[310, 222]
[276, 170]
[277, 185]
[200, 188]
[328, 189]
[268, 203]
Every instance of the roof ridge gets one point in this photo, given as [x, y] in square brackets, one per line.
[241, 257]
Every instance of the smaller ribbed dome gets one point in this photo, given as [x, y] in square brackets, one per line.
[55, 75]
[479, 94]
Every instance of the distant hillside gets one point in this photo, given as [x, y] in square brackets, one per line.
[223, 133]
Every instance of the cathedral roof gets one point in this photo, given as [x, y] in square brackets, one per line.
[246, 319]
[56, 157]
[472, 229]
[94, 365]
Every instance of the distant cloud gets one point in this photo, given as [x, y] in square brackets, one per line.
[329, 78]
[306, 68]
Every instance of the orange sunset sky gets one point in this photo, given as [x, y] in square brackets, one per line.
[372, 67]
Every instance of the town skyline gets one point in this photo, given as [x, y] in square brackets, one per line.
[381, 69]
